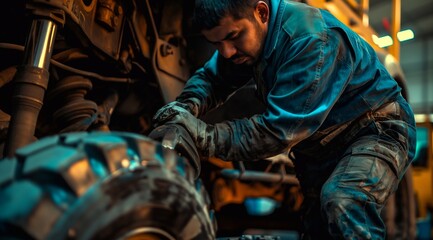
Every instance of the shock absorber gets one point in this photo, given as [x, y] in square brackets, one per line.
[74, 112]
[31, 80]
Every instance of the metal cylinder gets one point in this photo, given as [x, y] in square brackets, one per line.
[30, 84]
[40, 43]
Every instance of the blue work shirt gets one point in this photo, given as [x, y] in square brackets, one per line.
[314, 74]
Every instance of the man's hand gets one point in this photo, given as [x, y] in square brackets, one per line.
[179, 113]
[168, 111]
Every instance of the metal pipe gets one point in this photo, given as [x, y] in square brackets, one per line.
[364, 9]
[39, 45]
[259, 176]
[30, 84]
[394, 49]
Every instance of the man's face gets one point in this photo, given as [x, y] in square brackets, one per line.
[241, 40]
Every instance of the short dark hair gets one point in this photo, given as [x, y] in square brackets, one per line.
[208, 13]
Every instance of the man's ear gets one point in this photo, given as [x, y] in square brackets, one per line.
[262, 11]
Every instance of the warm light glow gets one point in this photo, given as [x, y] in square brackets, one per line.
[423, 118]
[387, 41]
[382, 42]
[405, 35]
[124, 163]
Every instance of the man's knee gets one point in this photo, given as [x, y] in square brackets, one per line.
[351, 212]
[337, 201]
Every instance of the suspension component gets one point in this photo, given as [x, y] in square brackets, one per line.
[105, 110]
[74, 113]
[31, 81]
[108, 13]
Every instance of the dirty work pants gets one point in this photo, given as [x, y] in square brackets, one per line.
[347, 180]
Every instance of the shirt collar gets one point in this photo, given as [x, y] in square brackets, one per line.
[276, 8]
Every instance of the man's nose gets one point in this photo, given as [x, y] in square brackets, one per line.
[227, 50]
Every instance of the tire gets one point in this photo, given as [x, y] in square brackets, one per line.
[101, 186]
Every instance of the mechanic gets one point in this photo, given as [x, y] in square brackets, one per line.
[328, 100]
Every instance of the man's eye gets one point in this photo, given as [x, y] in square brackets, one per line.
[234, 37]
[238, 35]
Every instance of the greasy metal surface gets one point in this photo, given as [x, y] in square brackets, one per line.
[40, 44]
[105, 33]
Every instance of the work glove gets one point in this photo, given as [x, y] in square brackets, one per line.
[182, 113]
[172, 108]
[239, 139]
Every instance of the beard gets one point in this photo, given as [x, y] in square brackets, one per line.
[253, 56]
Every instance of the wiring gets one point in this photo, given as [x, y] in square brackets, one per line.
[72, 69]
